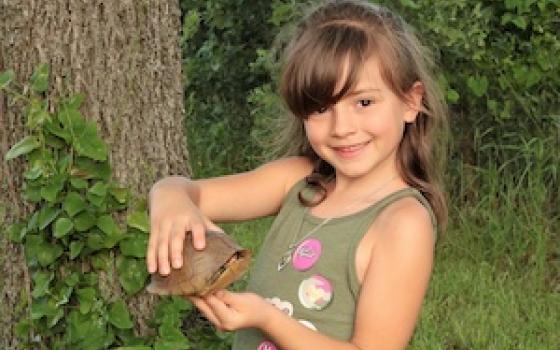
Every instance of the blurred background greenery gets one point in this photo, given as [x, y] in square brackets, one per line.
[496, 282]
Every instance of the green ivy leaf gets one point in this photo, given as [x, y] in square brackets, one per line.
[22, 329]
[16, 232]
[84, 221]
[40, 78]
[119, 193]
[41, 282]
[73, 204]
[37, 114]
[24, 146]
[138, 347]
[95, 241]
[78, 183]
[134, 246]
[48, 253]
[72, 280]
[139, 220]
[63, 295]
[32, 193]
[62, 227]
[88, 332]
[53, 188]
[35, 172]
[132, 274]
[88, 143]
[46, 216]
[99, 189]
[478, 85]
[119, 315]
[86, 299]
[54, 128]
[86, 168]
[75, 249]
[6, 78]
[112, 231]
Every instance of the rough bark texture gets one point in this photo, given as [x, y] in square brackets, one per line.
[124, 56]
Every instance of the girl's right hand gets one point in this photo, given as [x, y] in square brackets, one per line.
[172, 215]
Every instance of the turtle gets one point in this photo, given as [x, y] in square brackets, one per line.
[219, 264]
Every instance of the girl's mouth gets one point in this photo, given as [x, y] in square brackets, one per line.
[350, 151]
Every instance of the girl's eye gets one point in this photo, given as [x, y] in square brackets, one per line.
[365, 102]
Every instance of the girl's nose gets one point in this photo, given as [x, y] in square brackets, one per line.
[343, 122]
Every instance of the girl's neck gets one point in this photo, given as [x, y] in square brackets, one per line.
[347, 195]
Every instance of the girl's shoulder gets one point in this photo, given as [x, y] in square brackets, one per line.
[406, 219]
[289, 170]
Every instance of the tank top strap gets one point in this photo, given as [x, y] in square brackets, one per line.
[368, 217]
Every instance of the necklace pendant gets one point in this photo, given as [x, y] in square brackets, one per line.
[284, 260]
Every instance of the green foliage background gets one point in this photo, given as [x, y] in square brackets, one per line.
[496, 282]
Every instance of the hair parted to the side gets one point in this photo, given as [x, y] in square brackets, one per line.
[338, 31]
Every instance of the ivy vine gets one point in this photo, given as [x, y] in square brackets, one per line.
[73, 234]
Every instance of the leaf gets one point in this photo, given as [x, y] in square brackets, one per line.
[86, 299]
[132, 274]
[99, 189]
[22, 329]
[112, 231]
[62, 227]
[95, 241]
[410, 4]
[86, 168]
[139, 220]
[40, 78]
[46, 216]
[119, 315]
[37, 114]
[16, 232]
[6, 78]
[119, 193]
[35, 172]
[63, 295]
[78, 183]
[48, 253]
[41, 282]
[74, 204]
[24, 146]
[88, 143]
[76, 248]
[51, 190]
[53, 127]
[478, 85]
[134, 246]
[84, 221]
[72, 280]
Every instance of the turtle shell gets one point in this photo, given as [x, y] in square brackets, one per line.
[219, 264]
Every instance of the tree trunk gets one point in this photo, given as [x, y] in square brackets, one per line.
[125, 57]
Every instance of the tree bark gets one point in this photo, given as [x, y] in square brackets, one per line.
[125, 57]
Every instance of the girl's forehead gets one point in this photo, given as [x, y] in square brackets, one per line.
[368, 76]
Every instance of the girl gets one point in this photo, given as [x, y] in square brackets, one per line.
[348, 259]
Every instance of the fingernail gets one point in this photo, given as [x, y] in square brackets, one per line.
[198, 245]
[177, 263]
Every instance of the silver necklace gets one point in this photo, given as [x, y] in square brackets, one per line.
[287, 256]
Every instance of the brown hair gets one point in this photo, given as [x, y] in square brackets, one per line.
[352, 30]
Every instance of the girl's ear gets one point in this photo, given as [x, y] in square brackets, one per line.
[414, 102]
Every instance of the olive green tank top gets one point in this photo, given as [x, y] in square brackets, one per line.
[319, 286]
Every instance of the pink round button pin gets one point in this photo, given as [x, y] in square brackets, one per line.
[306, 254]
[315, 292]
[266, 345]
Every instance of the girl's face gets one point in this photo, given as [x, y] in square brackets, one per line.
[360, 134]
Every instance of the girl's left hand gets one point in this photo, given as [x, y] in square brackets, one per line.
[230, 311]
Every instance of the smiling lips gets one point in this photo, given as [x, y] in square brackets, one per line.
[350, 151]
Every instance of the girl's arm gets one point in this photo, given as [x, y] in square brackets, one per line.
[179, 205]
[390, 298]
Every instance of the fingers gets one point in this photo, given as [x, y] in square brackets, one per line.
[198, 235]
[163, 249]
[152, 246]
[206, 310]
[176, 246]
